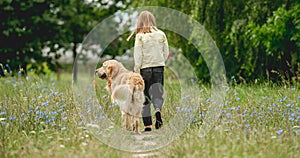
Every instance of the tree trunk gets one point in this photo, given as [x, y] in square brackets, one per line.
[204, 11]
[75, 68]
[220, 16]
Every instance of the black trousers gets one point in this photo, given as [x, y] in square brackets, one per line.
[154, 82]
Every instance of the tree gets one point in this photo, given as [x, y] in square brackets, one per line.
[34, 32]
[233, 25]
[27, 27]
[279, 37]
[79, 18]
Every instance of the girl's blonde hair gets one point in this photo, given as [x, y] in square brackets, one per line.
[145, 22]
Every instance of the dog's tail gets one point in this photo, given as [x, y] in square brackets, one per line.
[136, 83]
[138, 95]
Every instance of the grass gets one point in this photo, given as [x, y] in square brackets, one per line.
[39, 119]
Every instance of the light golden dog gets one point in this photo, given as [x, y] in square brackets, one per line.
[127, 90]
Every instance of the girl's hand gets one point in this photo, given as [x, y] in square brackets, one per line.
[136, 69]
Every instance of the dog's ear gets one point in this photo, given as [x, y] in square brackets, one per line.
[112, 71]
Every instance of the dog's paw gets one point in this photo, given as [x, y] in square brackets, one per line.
[136, 132]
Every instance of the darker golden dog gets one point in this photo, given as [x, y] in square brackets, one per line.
[127, 90]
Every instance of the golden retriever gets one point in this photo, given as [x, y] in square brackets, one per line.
[127, 90]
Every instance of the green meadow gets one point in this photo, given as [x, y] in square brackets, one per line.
[39, 119]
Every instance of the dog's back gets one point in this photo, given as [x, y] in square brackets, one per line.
[130, 96]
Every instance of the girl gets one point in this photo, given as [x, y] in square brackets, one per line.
[150, 53]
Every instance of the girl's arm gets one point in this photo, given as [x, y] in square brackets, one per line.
[165, 48]
[137, 53]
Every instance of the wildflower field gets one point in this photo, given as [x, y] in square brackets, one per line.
[38, 118]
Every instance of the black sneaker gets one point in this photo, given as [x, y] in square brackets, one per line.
[148, 129]
[158, 122]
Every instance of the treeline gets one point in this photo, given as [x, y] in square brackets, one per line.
[257, 39]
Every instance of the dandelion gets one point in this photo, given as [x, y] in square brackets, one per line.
[289, 104]
[86, 131]
[3, 113]
[30, 111]
[202, 115]
[283, 99]
[53, 118]
[12, 118]
[244, 113]
[112, 105]
[38, 112]
[188, 110]
[293, 114]
[264, 97]
[228, 114]
[226, 103]
[62, 106]
[45, 103]
[47, 122]
[63, 113]
[49, 95]
[80, 123]
[53, 113]
[280, 131]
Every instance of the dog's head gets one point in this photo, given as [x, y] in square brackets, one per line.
[108, 70]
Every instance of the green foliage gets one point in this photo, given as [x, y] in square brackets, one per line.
[279, 37]
[37, 31]
[257, 39]
[26, 28]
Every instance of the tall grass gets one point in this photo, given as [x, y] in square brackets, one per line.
[39, 119]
